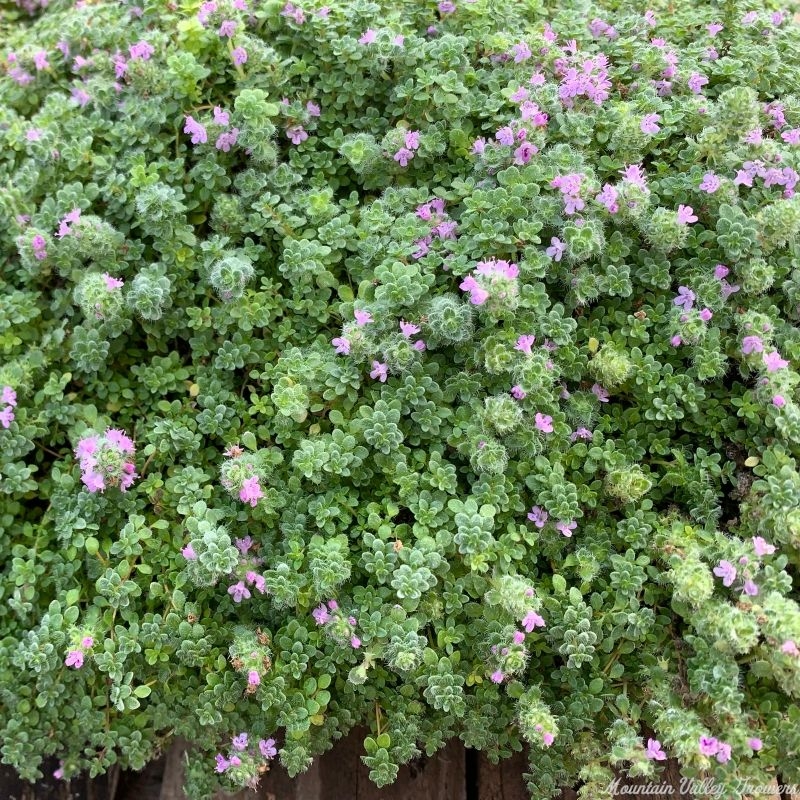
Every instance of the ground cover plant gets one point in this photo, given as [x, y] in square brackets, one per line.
[429, 367]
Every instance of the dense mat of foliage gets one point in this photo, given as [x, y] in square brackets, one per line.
[427, 367]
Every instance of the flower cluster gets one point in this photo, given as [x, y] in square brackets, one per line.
[106, 460]
[339, 626]
[9, 400]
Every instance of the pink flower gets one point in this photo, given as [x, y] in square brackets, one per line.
[518, 392]
[685, 298]
[792, 136]
[497, 676]
[710, 183]
[239, 592]
[412, 140]
[532, 620]
[723, 753]
[112, 283]
[750, 18]
[9, 396]
[399, 40]
[368, 37]
[196, 131]
[355, 642]
[779, 401]
[519, 637]
[188, 553]
[726, 571]
[654, 751]
[362, 317]
[251, 491]
[524, 343]
[714, 28]
[141, 50]
[608, 197]
[524, 153]
[221, 117]
[226, 140]
[227, 29]
[773, 362]
[648, 124]
[342, 345]
[505, 135]
[120, 440]
[538, 516]
[548, 738]
[706, 314]
[478, 146]
[379, 371]
[74, 659]
[709, 746]
[566, 528]
[750, 588]
[239, 56]
[752, 344]
[755, 743]
[93, 481]
[321, 615]
[544, 423]
[253, 678]
[790, 648]
[222, 763]
[408, 329]
[686, 215]
[762, 547]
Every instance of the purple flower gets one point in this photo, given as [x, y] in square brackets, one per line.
[580, 433]
[342, 345]
[227, 29]
[548, 738]
[240, 742]
[524, 153]
[521, 52]
[685, 298]
[710, 183]
[726, 571]
[112, 283]
[141, 50]
[706, 314]
[532, 620]
[505, 135]
[723, 753]
[403, 156]
[74, 659]
[9, 396]
[519, 637]
[750, 18]
[773, 362]
[239, 56]
[253, 678]
[792, 136]
[227, 139]
[686, 215]
[379, 371]
[714, 28]
[556, 249]
[566, 528]
[648, 124]
[525, 342]
[267, 748]
[538, 516]
[696, 82]
[196, 131]
[544, 423]
[222, 763]
[709, 746]
[478, 146]
[477, 294]
[412, 140]
[80, 96]
[321, 615]
[297, 134]
[600, 393]
[654, 751]
[239, 592]
[608, 197]
[368, 37]
[762, 547]
[221, 117]
[355, 642]
[750, 588]
[399, 40]
[518, 392]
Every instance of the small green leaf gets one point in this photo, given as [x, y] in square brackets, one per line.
[249, 440]
[142, 691]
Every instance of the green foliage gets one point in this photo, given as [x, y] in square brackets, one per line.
[460, 408]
